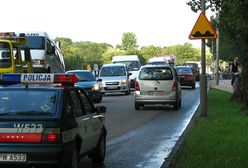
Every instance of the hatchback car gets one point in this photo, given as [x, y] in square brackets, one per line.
[87, 81]
[157, 84]
[186, 76]
[48, 124]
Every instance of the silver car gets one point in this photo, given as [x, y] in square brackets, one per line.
[114, 78]
[157, 84]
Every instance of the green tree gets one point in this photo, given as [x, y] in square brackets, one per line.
[148, 52]
[110, 52]
[129, 41]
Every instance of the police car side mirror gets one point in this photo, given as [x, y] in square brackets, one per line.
[99, 80]
[129, 74]
[100, 109]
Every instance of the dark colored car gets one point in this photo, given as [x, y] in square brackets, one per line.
[186, 76]
[48, 125]
[87, 81]
[195, 68]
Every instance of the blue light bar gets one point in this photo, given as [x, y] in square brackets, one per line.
[10, 78]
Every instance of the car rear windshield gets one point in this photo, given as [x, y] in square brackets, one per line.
[155, 73]
[113, 71]
[191, 65]
[84, 76]
[27, 102]
[184, 70]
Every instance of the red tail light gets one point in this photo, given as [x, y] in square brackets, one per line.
[51, 135]
[136, 87]
[42, 62]
[174, 86]
[20, 137]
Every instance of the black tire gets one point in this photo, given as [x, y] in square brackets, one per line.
[74, 159]
[136, 106]
[99, 152]
[176, 105]
[193, 86]
[128, 92]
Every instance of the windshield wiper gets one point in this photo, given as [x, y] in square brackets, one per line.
[157, 81]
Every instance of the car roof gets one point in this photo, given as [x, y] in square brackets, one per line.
[78, 70]
[116, 64]
[150, 65]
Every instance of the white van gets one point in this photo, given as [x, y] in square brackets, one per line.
[114, 78]
[46, 56]
[132, 62]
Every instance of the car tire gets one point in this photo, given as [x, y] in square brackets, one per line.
[128, 92]
[98, 154]
[193, 86]
[176, 105]
[136, 106]
[74, 159]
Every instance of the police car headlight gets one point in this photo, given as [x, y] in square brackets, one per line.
[123, 82]
[96, 87]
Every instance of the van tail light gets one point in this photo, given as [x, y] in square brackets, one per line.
[136, 87]
[174, 86]
[51, 135]
[42, 62]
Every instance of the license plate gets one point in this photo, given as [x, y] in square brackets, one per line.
[112, 87]
[13, 157]
[153, 93]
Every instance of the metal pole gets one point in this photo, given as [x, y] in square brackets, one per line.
[203, 77]
[217, 59]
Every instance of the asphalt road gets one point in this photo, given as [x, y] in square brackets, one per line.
[143, 138]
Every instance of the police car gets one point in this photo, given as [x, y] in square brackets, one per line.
[46, 121]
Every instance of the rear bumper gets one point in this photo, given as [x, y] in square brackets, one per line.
[38, 155]
[146, 99]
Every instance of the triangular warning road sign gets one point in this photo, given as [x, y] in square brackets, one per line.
[202, 29]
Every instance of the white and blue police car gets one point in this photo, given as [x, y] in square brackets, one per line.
[46, 121]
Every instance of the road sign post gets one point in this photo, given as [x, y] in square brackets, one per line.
[203, 30]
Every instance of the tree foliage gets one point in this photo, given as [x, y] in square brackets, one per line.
[129, 42]
[233, 24]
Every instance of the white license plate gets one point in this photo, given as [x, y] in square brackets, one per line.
[112, 87]
[13, 157]
[153, 93]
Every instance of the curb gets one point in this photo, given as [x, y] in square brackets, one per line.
[180, 140]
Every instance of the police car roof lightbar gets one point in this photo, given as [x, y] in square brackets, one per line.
[34, 78]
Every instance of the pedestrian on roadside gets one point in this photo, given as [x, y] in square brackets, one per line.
[234, 69]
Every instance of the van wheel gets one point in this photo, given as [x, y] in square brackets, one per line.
[98, 154]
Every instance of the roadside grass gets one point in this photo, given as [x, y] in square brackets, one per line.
[219, 140]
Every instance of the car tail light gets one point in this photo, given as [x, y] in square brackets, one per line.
[42, 62]
[20, 137]
[51, 135]
[136, 87]
[190, 77]
[174, 86]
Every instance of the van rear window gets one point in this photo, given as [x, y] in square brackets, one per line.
[155, 73]
[36, 42]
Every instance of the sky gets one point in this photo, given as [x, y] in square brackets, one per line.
[154, 22]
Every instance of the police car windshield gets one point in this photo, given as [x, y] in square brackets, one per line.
[27, 102]
[35, 42]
